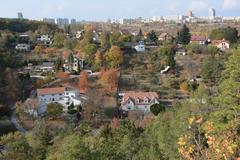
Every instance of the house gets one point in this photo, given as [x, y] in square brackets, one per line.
[138, 101]
[61, 95]
[22, 47]
[46, 67]
[72, 62]
[140, 48]
[44, 39]
[165, 37]
[199, 39]
[221, 44]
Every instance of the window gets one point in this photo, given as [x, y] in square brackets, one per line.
[137, 100]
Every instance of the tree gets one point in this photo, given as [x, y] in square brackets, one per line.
[83, 83]
[109, 78]
[157, 108]
[98, 60]
[184, 87]
[38, 49]
[105, 40]
[54, 110]
[17, 146]
[50, 51]
[229, 33]
[184, 35]
[152, 37]
[211, 70]
[70, 43]
[58, 40]
[89, 50]
[114, 57]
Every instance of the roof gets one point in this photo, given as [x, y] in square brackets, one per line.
[138, 95]
[198, 38]
[163, 35]
[217, 42]
[48, 91]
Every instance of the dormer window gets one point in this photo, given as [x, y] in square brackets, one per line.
[137, 100]
[146, 100]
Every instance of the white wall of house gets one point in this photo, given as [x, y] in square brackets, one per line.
[223, 46]
[145, 107]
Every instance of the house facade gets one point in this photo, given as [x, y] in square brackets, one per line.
[221, 44]
[139, 101]
[61, 95]
[72, 63]
[165, 37]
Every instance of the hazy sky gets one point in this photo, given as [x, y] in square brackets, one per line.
[115, 9]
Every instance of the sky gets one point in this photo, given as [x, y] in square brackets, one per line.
[114, 9]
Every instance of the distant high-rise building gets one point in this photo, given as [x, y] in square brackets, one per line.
[212, 13]
[49, 20]
[62, 21]
[73, 21]
[20, 15]
[190, 13]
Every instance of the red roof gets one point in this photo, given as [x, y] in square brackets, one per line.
[217, 42]
[198, 38]
[139, 95]
[48, 91]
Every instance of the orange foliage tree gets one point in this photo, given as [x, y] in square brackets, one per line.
[114, 57]
[109, 78]
[83, 81]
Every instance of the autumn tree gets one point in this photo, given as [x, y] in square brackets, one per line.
[38, 49]
[98, 60]
[54, 110]
[109, 78]
[58, 40]
[114, 57]
[83, 83]
[105, 40]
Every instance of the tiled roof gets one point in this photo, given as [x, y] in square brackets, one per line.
[217, 42]
[138, 95]
[198, 38]
[48, 91]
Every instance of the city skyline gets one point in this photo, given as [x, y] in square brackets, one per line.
[104, 9]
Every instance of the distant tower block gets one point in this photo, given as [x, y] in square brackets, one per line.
[190, 13]
[20, 15]
[212, 13]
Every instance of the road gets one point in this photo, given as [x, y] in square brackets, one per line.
[16, 124]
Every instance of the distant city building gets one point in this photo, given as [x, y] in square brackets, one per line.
[49, 20]
[20, 15]
[190, 13]
[73, 21]
[62, 21]
[212, 13]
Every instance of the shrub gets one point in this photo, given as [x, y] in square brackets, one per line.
[157, 108]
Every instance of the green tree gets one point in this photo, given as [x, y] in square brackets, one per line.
[184, 35]
[152, 37]
[105, 40]
[17, 146]
[157, 108]
[90, 50]
[54, 110]
[211, 70]
[229, 33]
[58, 40]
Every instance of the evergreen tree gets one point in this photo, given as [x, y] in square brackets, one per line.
[184, 35]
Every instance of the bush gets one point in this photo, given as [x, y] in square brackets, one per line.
[184, 87]
[157, 108]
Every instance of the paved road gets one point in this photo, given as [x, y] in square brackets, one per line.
[16, 124]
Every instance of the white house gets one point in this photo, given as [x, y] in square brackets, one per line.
[199, 39]
[221, 44]
[72, 62]
[139, 101]
[140, 48]
[22, 47]
[61, 95]
[44, 39]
